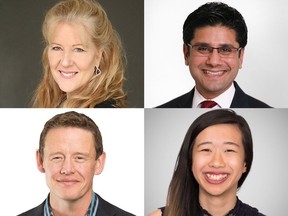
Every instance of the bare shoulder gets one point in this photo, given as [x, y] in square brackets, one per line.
[155, 213]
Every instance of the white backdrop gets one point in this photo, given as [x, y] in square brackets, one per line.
[23, 187]
[264, 71]
[266, 185]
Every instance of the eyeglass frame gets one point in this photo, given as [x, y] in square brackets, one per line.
[212, 48]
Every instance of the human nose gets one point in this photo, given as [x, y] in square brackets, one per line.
[67, 168]
[214, 57]
[217, 160]
[66, 59]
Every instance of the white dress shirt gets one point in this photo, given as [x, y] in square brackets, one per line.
[223, 101]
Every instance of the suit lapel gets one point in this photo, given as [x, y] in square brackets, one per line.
[105, 208]
[187, 100]
[240, 99]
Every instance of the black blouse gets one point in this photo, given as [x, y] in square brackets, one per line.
[240, 209]
[110, 103]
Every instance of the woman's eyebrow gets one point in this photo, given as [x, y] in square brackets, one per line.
[231, 143]
[204, 143]
[210, 142]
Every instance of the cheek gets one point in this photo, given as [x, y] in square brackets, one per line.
[52, 169]
[194, 66]
[86, 171]
[198, 164]
[53, 59]
[237, 163]
[51, 173]
[86, 64]
[195, 62]
[233, 63]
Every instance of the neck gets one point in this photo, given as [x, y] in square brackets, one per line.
[77, 207]
[211, 94]
[217, 205]
[68, 95]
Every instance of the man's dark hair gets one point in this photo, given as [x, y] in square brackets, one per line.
[215, 14]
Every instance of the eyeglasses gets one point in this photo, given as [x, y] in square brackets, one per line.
[225, 51]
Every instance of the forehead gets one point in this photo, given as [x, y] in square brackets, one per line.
[215, 35]
[69, 31]
[220, 133]
[69, 139]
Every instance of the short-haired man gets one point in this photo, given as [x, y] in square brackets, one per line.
[215, 36]
[70, 154]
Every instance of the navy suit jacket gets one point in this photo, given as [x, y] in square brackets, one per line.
[240, 100]
[104, 209]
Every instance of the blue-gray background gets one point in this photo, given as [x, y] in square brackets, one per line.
[266, 186]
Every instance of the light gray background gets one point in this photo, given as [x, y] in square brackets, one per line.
[21, 47]
[266, 185]
[23, 187]
[264, 73]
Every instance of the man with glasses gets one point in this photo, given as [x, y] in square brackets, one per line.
[215, 36]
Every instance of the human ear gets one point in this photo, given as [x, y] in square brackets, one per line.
[100, 162]
[39, 162]
[241, 57]
[186, 54]
[244, 168]
[99, 57]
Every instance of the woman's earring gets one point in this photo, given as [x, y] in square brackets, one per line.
[97, 70]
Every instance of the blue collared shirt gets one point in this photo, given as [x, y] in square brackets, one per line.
[92, 210]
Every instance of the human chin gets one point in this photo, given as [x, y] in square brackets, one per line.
[215, 87]
[66, 86]
[212, 191]
[215, 80]
[217, 184]
[68, 192]
[210, 90]
[68, 195]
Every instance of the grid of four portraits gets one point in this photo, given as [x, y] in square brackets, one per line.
[170, 132]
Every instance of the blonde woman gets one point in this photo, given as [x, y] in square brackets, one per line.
[83, 60]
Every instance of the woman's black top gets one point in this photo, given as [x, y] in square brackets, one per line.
[240, 209]
[110, 103]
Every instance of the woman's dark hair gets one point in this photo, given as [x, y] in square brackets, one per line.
[215, 14]
[183, 193]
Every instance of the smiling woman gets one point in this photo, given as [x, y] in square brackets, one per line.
[83, 60]
[214, 161]
[218, 163]
[72, 57]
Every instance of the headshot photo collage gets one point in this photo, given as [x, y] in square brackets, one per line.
[143, 108]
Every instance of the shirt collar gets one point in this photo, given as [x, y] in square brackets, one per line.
[224, 100]
[92, 210]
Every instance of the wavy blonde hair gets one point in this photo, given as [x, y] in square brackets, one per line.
[109, 83]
